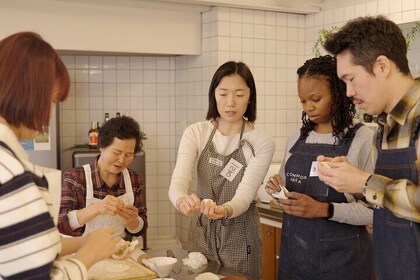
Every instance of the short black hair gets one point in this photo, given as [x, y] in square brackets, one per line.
[343, 109]
[227, 69]
[123, 128]
[369, 37]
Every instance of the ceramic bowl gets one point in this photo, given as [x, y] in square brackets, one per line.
[164, 264]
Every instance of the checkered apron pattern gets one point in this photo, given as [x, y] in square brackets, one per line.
[234, 243]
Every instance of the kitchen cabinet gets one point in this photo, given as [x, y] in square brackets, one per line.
[271, 222]
[102, 26]
[271, 250]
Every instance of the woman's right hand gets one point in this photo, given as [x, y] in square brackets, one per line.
[109, 205]
[273, 184]
[98, 245]
[188, 204]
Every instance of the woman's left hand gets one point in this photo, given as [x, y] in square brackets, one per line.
[301, 205]
[211, 210]
[129, 213]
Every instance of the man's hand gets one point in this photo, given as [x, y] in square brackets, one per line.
[341, 175]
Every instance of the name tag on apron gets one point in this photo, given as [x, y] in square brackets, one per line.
[314, 171]
[231, 169]
[215, 161]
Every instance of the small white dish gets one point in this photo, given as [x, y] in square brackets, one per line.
[161, 265]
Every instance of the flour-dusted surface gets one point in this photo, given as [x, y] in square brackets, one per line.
[120, 270]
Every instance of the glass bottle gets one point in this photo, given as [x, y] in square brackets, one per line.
[93, 135]
[106, 117]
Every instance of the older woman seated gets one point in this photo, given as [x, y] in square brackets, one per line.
[105, 192]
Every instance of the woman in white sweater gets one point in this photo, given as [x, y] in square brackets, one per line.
[232, 158]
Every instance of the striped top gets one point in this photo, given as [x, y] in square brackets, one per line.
[400, 196]
[29, 240]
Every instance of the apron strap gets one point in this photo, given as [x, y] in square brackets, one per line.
[244, 141]
[242, 130]
[128, 186]
[89, 185]
[210, 139]
[351, 132]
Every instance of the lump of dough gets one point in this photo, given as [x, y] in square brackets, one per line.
[207, 276]
[207, 200]
[195, 260]
[128, 246]
[325, 164]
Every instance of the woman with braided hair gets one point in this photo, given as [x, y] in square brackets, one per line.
[323, 234]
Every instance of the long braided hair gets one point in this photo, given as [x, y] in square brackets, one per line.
[342, 110]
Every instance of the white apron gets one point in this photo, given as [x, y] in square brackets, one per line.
[101, 221]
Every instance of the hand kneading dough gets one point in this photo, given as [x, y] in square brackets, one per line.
[129, 246]
[207, 200]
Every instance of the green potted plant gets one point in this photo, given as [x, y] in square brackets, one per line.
[324, 33]
[411, 35]
[319, 43]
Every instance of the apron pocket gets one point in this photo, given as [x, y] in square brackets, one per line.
[233, 248]
[340, 257]
[393, 221]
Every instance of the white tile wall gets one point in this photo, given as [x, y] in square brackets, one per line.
[165, 94]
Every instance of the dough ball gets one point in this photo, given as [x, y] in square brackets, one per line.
[207, 276]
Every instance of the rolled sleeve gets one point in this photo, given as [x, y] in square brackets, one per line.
[73, 221]
[375, 190]
[398, 196]
[138, 228]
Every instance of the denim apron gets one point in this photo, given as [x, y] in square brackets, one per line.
[236, 242]
[101, 221]
[396, 241]
[317, 248]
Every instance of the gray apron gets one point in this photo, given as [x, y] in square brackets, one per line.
[102, 221]
[234, 243]
[396, 241]
[317, 248]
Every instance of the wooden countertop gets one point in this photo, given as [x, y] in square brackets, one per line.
[269, 212]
